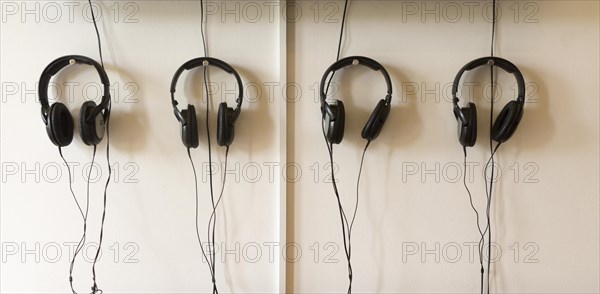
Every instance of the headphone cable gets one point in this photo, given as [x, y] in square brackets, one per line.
[488, 192]
[492, 149]
[81, 243]
[95, 288]
[214, 216]
[362, 160]
[339, 50]
[83, 216]
[481, 233]
[344, 220]
[204, 43]
[97, 33]
[211, 241]
[197, 213]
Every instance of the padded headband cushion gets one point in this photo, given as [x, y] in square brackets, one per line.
[499, 62]
[197, 62]
[348, 61]
[60, 126]
[58, 64]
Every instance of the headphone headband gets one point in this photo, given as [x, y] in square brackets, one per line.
[353, 60]
[55, 66]
[206, 61]
[497, 61]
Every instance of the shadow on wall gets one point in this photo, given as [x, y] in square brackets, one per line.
[128, 127]
[254, 131]
[535, 131]
[255, 127]
[402, 128]
[404, 124]
[537, 128]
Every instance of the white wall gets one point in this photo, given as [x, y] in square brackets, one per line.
[155, 215]
[402, 210]
[546, 201]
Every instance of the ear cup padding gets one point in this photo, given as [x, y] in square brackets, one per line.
[375, 123]
[91, 132]
[189, 130]
[60, 125]
[507, 121]
[467, 133]
[225, 127]
[335, 125]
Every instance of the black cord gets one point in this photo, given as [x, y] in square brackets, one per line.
[197, 212]
[493, 28]
[97, 33]
[204, 45]
[83, 216]
[339, 50]
[343, 219]
[81, 243]
[488, 191]
[492, 150]
[210, 171]
[95, 288]
[481, 233]
[71, 183]
[342, 29]
[212, 198]
[213, 216]
[362, 160]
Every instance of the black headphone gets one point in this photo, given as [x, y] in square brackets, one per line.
[226, 117]
[58, 119]
[334, 113]
[507, 121]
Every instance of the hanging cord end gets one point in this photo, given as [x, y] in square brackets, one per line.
[95, 289]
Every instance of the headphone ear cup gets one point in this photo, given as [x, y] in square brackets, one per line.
[334, 125]
[375, 123]
[467, 133]
[60, 125]
[189, 129]
[507, 121]
[225, 126]
[91, 132]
